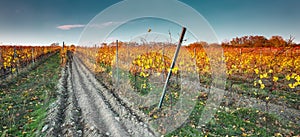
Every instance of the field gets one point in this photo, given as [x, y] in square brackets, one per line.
[114, 90]
[24, 98]
[262, 84]
[14, 58]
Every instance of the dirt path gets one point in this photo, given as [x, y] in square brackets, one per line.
[86, 108]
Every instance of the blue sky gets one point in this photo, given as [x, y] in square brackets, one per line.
[42, 22]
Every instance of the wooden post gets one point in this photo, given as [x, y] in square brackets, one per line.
[1, 60]
[117, 62]
[1, 64]
[172, 66]
[195, 61]
[32, 55]
[15, 57]
[163, 60]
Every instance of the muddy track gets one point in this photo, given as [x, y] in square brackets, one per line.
[64, 115]
[118, 118]
[87, 108]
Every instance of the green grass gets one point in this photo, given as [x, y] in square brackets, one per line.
[24, 100]
[292, 99]
[235, 122]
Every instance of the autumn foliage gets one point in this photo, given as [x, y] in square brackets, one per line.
[13, 57]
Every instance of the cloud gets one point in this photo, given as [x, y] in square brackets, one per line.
[68, 27]
[105, 24]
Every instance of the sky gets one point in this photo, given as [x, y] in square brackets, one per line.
[42, 22]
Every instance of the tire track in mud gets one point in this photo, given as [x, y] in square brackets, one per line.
[64, 115]
[95, 111]
[102, 110]
[85, 108]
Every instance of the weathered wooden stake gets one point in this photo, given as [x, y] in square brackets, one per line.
[171, 68]
[117, 61]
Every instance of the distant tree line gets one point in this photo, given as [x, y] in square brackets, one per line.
[243, 42]
[260, 41]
